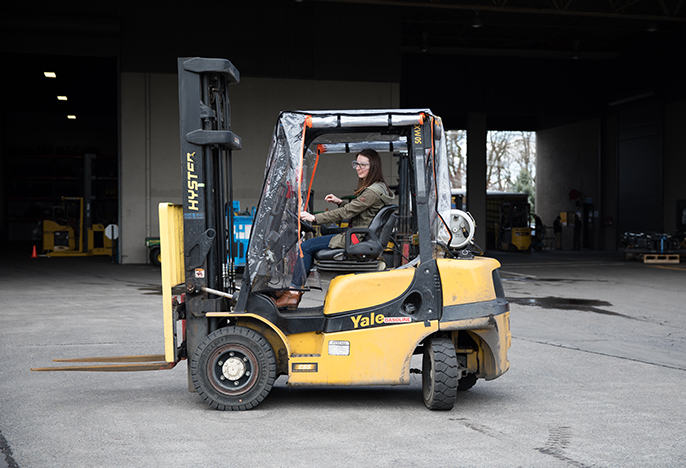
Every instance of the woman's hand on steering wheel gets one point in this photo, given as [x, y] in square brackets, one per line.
[305, 220]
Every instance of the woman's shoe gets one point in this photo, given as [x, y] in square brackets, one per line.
[289, 299]
[295, 300]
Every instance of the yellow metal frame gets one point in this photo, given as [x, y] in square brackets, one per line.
[377, 356]
[355, 292]
[472, 280]
[171, 236]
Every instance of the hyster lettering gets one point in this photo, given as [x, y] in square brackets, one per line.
[192, 183]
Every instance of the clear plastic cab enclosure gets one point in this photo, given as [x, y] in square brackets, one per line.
[301, 140]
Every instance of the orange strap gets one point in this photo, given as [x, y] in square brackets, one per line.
[306, 124]
[314, 171]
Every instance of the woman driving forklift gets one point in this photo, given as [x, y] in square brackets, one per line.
[372, 194]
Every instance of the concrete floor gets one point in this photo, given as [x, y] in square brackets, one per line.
[597, 372]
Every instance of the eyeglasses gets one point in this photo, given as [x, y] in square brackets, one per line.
[357, 164]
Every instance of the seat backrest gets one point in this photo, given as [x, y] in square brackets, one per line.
[372, 246]
[387, 230]
[381, 219]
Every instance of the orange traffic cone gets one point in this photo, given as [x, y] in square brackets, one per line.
[33, 255]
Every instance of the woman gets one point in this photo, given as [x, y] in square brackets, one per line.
[372, 195]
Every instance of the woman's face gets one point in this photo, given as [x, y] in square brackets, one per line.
[362, 166]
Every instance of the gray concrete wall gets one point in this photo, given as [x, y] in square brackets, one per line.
[674, 162]
[567, 159]
[150, 161]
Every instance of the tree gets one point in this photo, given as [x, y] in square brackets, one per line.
[498, 175]
[508, 153]
[455, 146]
[525, 184]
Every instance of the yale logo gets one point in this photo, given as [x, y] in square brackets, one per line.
[360, 321]
[192, 182]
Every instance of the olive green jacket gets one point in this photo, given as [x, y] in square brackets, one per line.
[361, 211]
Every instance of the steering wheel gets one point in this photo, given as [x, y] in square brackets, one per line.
[462, 227]
[304, 225]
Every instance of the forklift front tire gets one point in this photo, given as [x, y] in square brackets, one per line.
[439, 374]
[233, 368]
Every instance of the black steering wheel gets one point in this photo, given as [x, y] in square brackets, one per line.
[304, 225]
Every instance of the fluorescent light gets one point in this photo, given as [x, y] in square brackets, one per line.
[50, 74]
[61, 98]
[71, 117]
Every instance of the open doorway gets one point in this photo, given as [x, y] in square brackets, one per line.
[511, 183]
[59, 139]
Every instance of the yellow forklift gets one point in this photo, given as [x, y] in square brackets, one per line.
[71, 234]
[442, 303]
[515, 230]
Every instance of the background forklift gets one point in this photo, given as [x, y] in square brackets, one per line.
[70, 232]
[435, 301]
[514, 228]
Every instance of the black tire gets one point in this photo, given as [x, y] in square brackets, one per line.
[155, 255]
[439, 374]
[466, 382]
[233, 368]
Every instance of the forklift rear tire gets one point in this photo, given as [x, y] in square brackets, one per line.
[439, 374]
[155, 256]
[233, 368]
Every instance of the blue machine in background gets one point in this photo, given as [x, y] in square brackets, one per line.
[242, 225]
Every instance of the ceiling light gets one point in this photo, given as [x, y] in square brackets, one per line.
[61, 98]
[476, 21]
[575, 49]
[50, 74]
[425, 42]
[71, 117]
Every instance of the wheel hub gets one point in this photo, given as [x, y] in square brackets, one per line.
[234, 368]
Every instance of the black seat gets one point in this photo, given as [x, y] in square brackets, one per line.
[364, 255]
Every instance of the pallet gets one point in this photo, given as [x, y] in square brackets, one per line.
[660, 258]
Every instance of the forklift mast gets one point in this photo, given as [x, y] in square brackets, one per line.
[206, 157]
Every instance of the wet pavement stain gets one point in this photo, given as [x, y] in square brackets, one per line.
[563, 303]
[550, 280]
[148, 289]
[151, 290]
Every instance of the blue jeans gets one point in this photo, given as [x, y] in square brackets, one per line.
[304, 265]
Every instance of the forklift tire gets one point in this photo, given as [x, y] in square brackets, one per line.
[233, 368]
[439, 374]
[155, 256]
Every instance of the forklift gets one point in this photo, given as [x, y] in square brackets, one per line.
[515, 230]
[439, 302]
[71, 233]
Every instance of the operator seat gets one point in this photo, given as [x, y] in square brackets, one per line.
[364, 255]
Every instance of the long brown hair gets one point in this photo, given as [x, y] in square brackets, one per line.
[375, 173]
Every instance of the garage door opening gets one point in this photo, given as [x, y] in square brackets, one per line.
[59, 142]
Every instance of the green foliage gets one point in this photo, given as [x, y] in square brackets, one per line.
[525, 184]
